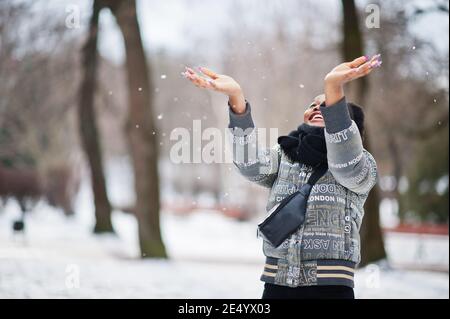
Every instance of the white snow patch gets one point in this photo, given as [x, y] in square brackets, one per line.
[212, 256]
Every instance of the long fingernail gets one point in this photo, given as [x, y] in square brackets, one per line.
[377, 64]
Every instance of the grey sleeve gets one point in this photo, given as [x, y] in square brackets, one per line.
[255, 162]
[351, 165]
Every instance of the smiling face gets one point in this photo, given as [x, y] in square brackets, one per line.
[312, 115]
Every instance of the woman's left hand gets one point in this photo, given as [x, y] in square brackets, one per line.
[347, 72]
[350, 71]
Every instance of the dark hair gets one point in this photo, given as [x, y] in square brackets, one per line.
[357, 115]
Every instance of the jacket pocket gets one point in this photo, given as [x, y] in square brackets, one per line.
[275, 252]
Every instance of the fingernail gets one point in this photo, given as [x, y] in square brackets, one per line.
[377, 64]
[367, 57]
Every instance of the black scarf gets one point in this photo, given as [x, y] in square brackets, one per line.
[306, 145]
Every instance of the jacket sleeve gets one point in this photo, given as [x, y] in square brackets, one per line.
[257, 164]
[351, 165]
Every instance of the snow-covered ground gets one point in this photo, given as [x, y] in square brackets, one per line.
[211, 257]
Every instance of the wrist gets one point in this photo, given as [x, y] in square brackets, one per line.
[334, 92]
[237, 102]
[332, 83]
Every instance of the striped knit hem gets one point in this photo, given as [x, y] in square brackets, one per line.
[325, 272]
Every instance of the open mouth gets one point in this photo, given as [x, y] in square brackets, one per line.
[316, 116]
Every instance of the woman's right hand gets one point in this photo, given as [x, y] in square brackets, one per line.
[219, 83]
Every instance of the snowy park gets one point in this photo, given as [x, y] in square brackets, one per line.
[186, 149]
[211, 256]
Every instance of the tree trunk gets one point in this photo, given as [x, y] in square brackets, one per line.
[88, 128]
[139, 130]
[372, 244]
[397, 172]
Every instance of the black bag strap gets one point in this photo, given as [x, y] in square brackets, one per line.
[319, 171]
[317, 174]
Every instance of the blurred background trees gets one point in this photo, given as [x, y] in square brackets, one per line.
[87, 120]
[279, 51]
[372, 245]
[141, 130]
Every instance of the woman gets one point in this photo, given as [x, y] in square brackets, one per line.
[319, 259]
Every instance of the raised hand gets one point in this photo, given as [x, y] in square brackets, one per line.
[219, 83]
[347, 72]
[350, 71]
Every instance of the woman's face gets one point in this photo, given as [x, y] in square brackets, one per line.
[312, 115]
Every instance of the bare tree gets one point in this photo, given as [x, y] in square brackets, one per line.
[371, 236]
[88, 127]
[140, 130]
